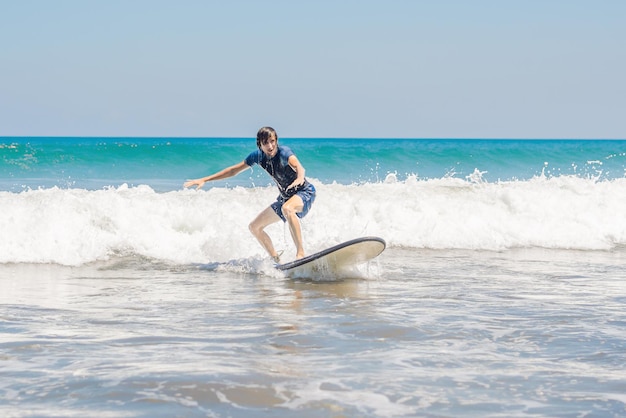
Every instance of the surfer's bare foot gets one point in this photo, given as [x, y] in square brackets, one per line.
[299, 256]
[276, 257]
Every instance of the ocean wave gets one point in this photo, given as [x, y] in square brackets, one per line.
[77, 226]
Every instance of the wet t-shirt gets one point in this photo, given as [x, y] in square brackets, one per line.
[278, 167]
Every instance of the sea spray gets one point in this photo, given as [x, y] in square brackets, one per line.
[78, 226]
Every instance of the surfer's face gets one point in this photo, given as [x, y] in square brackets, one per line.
[270, 147]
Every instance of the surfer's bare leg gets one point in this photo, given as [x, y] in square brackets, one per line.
[290, 209]
[257, 226]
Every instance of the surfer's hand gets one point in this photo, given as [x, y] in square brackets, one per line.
[295, 184]
[198, 183]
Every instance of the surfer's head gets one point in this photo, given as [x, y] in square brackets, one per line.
[264, 135]
[267, 141]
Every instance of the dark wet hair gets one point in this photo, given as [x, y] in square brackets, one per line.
[264, 135]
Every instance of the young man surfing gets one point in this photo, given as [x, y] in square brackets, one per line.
[296, 193]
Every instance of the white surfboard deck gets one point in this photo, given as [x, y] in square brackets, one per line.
[335, 259]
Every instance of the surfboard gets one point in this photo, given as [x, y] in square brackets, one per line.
[335, 259]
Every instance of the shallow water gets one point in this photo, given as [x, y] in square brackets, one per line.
[421, 333]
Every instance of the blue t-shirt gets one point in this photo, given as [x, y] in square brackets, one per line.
[278, 167]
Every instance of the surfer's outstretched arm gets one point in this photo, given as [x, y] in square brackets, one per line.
[231, 171]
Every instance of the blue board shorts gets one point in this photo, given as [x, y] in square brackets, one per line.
[307, 194]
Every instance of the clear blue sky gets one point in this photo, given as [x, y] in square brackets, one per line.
[318, 68]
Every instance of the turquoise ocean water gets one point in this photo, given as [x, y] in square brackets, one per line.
[161, 163]
[501, 291]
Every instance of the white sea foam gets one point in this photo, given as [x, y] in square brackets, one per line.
[76, 226]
